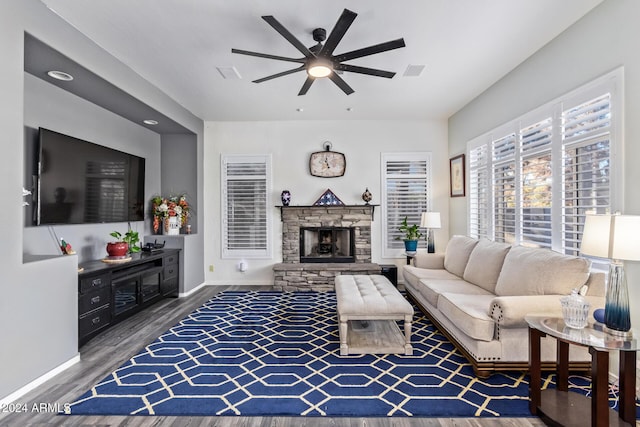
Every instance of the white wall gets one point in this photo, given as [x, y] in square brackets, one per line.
[603, 40]
[48, 106]
[38, 310]
[290, 144]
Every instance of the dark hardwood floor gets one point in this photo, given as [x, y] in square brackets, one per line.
[108, 351]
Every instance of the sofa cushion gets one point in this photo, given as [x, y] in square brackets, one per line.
[431, 289]
[470, 314]
[485, 263]
[457, 254]
[534, 271]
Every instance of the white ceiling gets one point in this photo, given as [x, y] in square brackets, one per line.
[466, 46]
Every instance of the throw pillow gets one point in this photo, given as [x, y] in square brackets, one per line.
[534, 271]
[485, 263]
[457, 254]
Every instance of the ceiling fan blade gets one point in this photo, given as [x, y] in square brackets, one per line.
[341, 27]
[268, 56]
[284, 73]
[341, 83]
[371, 50]
[364, 70]
[287, 35]
[307, 84]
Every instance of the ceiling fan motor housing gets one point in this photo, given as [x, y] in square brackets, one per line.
[319, 34]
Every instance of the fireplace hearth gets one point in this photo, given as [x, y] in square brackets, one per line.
[327, 244]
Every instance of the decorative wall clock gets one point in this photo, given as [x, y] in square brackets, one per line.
[327, 163]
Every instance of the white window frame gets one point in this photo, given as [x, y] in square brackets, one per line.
[227, 253]
[388, 251]
[611, 83]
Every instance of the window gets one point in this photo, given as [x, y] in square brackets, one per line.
[245, 206]
[407, 193]
[532, 181]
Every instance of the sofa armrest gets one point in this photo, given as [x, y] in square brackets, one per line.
[427, 260]
[509, 311]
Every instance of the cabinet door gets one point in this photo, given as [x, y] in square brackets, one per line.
[150, 284]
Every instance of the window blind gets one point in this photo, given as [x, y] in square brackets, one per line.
[245, 206]
[504, 188]
[534, 186]
[479, 192]
[587, 166]
[537, 184]
[407, 190]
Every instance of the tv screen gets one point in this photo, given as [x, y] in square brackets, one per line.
[80, 182]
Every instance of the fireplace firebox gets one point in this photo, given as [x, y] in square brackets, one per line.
[327, 244]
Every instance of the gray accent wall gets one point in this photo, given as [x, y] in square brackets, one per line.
[38, 308]
[603, 40]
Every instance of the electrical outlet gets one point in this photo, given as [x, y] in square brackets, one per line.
[211, 268]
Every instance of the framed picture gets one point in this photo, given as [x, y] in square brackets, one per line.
[456, 175]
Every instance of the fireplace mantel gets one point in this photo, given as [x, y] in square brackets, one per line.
[283, 208]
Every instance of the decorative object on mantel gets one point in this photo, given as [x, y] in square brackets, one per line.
[614, 237]
[456, 176]
[285, 196]
[327, 163]
[328, 199]
[366, 196]
[166, 208]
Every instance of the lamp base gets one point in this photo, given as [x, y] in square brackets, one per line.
[617, 318]
[625, 335]
[431, 245]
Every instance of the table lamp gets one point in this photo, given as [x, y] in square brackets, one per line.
[430, 221]
[614, 237]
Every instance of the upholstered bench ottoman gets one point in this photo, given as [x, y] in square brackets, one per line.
[368, 308]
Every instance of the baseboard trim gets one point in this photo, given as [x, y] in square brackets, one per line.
[40, 380]
[192, 291]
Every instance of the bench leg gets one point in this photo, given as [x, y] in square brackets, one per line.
[408, 350]
[344, 348]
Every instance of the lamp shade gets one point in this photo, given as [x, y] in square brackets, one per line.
[611, 236]
[430, 220]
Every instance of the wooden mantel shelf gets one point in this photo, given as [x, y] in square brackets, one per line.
[373, 207]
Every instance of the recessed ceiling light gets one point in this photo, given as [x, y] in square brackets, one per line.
[60, 75]
[150, 122]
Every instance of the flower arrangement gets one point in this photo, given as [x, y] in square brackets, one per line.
[165, 207]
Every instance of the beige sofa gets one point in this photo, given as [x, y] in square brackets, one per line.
[478, 292]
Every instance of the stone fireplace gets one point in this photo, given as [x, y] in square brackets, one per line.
[322, 242]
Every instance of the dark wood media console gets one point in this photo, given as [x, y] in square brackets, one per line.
[109, 293]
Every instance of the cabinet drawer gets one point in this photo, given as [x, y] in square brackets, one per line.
[94, 299]
[93, 321]
[88, 284]
[170, 259]
[170, 271]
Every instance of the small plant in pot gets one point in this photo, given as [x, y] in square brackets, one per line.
[127, 243]
[411, 235]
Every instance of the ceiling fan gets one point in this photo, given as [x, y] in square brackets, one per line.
[319, 60]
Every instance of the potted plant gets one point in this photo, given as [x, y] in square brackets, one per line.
[411, 235]
[126, 243]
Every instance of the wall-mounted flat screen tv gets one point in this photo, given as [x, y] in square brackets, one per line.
[80, 182]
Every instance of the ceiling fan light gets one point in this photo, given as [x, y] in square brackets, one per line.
[319, 69]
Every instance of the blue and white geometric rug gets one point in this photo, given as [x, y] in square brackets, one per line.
[277, 354]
